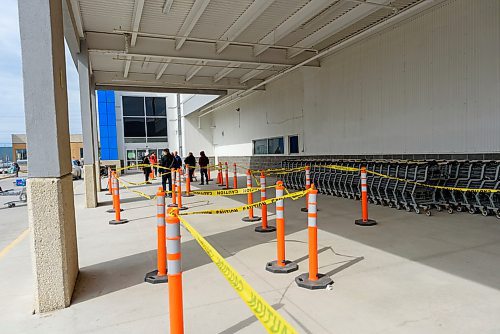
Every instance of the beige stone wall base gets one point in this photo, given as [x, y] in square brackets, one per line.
[90, 186]
[51, 215]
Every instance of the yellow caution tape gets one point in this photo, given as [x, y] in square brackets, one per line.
[337, 167]
[479, 190]
[272, 321]
[229, 192]
[226, 192]
[293, 196]
[279, 170]
[140, 193]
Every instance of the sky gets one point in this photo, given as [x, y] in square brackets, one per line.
[11, 79]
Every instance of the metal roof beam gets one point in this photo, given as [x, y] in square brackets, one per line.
[190, 21]
[163, 67]
[141, 80]
[128, 62]
[337, 25]
[225, 71]
[253, 73]
[292, 23]
[251, 14]
[136, 20]
[193, 51]
[194, 69]
[75, 9]
[166, 7]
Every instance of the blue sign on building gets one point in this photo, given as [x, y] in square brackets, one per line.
[107, 124]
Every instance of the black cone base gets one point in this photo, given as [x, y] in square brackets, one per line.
[287, 268]
[253, 219]
[113, 210]
[172, 205]
[268, 229]
[187, 195]
[369, 222]
[303, 209]
[322, 282]
[153, 278]
[182, 208]
[118, 222]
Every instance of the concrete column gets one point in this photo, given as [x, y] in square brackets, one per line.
[51, 211]
[95, 136]
[87, 127]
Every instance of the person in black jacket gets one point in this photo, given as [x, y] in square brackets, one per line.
[191, 161]
[146, 169]
[167, 161]
[177, 161]
[203, 162]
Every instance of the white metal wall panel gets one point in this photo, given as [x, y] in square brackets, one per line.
[428, 85]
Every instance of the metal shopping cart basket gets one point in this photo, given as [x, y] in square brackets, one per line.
[20, 193]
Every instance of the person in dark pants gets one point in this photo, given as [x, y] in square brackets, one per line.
[203, 162]
[16, 168]
[177, 161]
[191, 161]
[166, 161]
[147, 168]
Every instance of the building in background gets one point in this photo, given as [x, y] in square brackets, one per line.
[20, 151]
[5, 152]
[133, 124]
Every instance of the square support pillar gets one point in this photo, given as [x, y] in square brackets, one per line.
[51, 211]
[95, 136]
[87, 127]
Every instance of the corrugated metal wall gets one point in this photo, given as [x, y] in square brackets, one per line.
[428, 85]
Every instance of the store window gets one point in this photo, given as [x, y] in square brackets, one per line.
[133, 106]
[144, 119]
[293, 144]
[156, 106]
[269, 146]
[21, 154]
[134, 127]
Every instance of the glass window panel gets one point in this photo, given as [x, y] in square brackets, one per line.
[260, 146]
[275, 146]
[134, 127]
[135, 140]
[293, 144]
[157, 127]
[131, 155]
[156, 106]
[133, 106]
[140, 155]
[157, 140]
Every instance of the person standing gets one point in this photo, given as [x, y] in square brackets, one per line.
[191, 162]
[16, 168]
[146, 168]
[177, 161]
[203, 162]
[166, 161]
[153, 160]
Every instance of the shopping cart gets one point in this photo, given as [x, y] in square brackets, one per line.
[20, 193]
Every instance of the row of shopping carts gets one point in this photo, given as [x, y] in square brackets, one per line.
[411, 185]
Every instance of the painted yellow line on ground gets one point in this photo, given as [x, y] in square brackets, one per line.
[14, 243]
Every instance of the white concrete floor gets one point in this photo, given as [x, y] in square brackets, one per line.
[409, 274]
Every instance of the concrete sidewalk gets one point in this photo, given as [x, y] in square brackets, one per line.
[409, 274]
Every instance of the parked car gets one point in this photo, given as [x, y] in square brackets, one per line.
[5, 167]
[76, 169]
